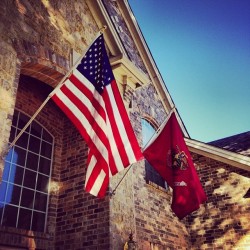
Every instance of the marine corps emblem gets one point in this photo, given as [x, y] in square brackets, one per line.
[177, 159]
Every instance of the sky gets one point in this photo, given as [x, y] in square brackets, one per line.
[202, 50]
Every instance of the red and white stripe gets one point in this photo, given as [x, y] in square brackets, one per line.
[104, 124]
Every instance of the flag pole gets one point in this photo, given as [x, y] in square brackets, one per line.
[148, 143]
[118, 184]
[51, 94]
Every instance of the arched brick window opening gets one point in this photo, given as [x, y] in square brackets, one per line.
[24, 191]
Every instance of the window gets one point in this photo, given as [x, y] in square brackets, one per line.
[151, 175]
[24, 191]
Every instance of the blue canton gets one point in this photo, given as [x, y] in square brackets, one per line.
[95, 65]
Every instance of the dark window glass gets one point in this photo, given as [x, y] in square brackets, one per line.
[32, 161]
[34, 144]
[10, 216]
[16, 175]
[38, 221]
[13, 194]
[23, 140]
[42, 183]
[1, 209]
[29, 179]
[44, 165]
[27, 198]
[15, 117]
[20, 156]
[36, 129]
[12, 134]
[40, 202]
[46, 136]
[24, 218]
[46, 149]
[22, 121]
[153, 176]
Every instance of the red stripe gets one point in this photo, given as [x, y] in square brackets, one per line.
[112, 165]
[102, 164]
[94, 174]
[83, 132]
[89, 94]
[104, 187]
[85, 111]
[71, 116]
[116, 132]
[127, 124]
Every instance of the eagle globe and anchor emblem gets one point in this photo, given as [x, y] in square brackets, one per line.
[177, 160]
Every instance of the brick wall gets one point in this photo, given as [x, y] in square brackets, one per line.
[76, 220]
[82, 219]
[30, 95]
[9, 75]
[123, 31]
[223, 222]
[37, 38]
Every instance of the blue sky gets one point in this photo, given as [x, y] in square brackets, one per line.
[202, 49]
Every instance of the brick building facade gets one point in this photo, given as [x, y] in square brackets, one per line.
[39, 41]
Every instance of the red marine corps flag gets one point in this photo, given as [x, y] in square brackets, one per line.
[169, 155]
[92, 101]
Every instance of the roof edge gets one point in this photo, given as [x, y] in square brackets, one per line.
[222, 155]
[147, 58]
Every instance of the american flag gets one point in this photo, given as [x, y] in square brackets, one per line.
[91, 99]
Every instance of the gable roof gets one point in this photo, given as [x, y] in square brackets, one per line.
[239, 143]
[220, 154]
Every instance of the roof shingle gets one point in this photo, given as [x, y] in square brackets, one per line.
[239, 143]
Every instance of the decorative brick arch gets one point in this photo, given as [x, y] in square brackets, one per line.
[152, 121]
[42, 72]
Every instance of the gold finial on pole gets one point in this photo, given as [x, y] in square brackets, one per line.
[103, 28]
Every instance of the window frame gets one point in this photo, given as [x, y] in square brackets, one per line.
[45, 138]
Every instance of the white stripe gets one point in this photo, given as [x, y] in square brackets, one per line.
[98, 183]
[113, 146]
[99, 180]
[120, 125]
[90, 86]
[114, 149]
[80, 116]
[83, 98]
[90, 168]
